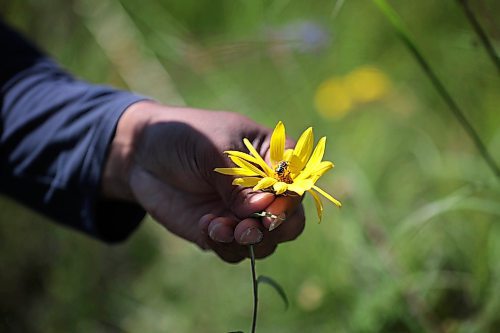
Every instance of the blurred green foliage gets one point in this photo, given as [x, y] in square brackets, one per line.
[415, 247]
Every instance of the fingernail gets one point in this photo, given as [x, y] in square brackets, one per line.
[221, 235]
[204, 222]
[277, 222]
[251, 236]
[258, 197]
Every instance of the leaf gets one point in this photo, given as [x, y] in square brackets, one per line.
[276, 286]
[419, 217]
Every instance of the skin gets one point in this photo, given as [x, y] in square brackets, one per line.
[163, 159]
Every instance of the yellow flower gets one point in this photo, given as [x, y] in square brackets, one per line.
[291, 170]
[336, 96]
[333, 98]
[367, 84]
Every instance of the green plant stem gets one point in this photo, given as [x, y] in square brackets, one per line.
[394, 19]
[480, 32]
[454, 108]
[255, 289]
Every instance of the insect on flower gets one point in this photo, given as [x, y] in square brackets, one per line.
[291, 170]
[282, 172]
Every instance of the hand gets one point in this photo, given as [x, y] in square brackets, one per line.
[163, 158]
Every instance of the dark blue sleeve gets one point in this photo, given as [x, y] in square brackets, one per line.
[55, 132]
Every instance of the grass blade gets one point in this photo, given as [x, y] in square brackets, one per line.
[488, 46]
[404, 35]
[276, 286]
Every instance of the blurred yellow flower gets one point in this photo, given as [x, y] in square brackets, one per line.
[310, 295]
[367, 84]
[291, 170]
[333, 99]
[338, 95]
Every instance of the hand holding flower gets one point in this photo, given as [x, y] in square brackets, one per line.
[163, 158]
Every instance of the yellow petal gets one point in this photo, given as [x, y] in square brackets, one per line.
[315, 172]
[278, 143]
[294, 164]
[264, 183]
[288, 154]
[306, 184]
[321, 168]
[300, 186]
[280, 187]
[296, 188]
[258, 158]
[317, 154]
[242, 155]
[328, 196]
[304, 147]
[246, 181]
[235, 172]
[246, 165]
[318, 204]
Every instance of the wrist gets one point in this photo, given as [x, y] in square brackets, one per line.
[120, 160]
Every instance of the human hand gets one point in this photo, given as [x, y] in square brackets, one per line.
[163, 158]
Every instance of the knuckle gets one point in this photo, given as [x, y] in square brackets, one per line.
[263, 252]
[232, 259]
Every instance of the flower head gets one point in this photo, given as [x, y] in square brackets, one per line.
[291, 170]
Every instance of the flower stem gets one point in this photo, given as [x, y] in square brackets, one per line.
[481, 33]
[255, 289]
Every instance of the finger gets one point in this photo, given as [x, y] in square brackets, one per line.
[203, 226]
[234, 253]
[231, 252]
[264, 248]
[244, 202]
[290, 229]
[248, 232]
[221, 229]
[281, 205]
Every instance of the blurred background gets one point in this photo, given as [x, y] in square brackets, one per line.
[416, 245]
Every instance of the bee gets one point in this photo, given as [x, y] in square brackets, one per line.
[281, 168]
[282, 172]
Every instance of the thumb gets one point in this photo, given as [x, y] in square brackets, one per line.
[243, 202]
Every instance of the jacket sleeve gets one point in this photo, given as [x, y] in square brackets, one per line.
[55, 131]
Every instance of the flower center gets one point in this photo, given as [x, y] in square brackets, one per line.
[282, 173]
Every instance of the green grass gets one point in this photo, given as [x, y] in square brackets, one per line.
[416, 245]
